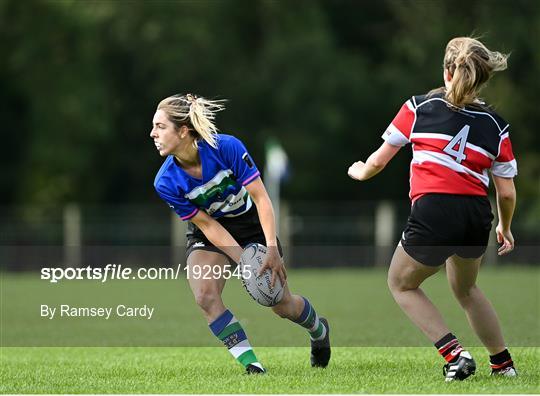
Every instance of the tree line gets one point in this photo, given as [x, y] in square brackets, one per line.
[80, 80]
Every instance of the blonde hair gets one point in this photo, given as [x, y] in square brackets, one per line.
[196, 113]
[471, 65]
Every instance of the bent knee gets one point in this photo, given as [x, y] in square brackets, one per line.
[399, 284]
[206, 298]
[464, 293]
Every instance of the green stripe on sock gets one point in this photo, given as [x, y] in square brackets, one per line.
[310, 319]
[317, 333]
[227, 331]
[247, 357]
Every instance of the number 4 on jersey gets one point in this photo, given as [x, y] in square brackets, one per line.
[461, 140]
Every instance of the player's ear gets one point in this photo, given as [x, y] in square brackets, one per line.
[447, 75]
[183, 131]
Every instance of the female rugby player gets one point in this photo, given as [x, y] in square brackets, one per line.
[210, 180]
[456, 140]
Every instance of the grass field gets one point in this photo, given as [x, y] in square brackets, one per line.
[377, 349]
[211, 370]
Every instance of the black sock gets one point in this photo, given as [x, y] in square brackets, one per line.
[449, 347]
[501, 360]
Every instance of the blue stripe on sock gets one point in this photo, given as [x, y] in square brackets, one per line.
[304, 315]
[241, 335]
[218, 325]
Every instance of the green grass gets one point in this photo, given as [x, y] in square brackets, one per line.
[377, 349]
[211, 370]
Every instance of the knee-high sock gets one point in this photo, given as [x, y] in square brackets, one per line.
[228, 329]
[310, 320]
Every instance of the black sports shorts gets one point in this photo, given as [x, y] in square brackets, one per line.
[441, 225]
[245, 229]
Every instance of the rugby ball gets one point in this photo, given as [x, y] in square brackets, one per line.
[258, 287]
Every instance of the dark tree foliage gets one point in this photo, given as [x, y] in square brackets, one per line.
[79, 82]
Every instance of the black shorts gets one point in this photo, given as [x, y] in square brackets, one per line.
[441, 225]
[245, 229]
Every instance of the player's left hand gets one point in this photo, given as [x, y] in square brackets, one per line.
[505, 238]
[356, 170]
[275, 264]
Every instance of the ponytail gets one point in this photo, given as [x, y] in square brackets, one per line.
[471, 65]
[197, 113]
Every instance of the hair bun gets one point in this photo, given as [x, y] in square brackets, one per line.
[191, 98]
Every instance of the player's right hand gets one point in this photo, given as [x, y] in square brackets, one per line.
[275, 264]
[505, 238]
[356, 170]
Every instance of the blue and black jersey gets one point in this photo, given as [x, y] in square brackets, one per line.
[221, 192]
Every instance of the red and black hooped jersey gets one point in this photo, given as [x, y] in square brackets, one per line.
[452, 149]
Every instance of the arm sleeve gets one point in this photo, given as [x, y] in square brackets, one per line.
[182, 206]
[505, 164]
[237, 157]
[398, 132]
